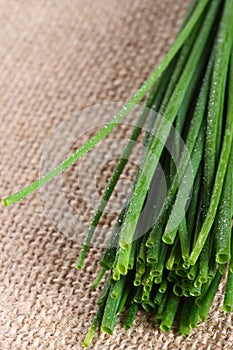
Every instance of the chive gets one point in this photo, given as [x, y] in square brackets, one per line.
[158, 297]
[192, 209]
[118, 287]
[109, 255]
[158, 267]
[222, 269]
[149, 307]
[207, 301]
[178, 210]
[104, 294]
[138, 280]
[178, 290]
[231, 261]
[212, 263]
[224, 156]
[169, 313]
[223, 221]
[92, 330]
[194, 291]
[161, 307]
[228, 299]
[124, 298]
[145, 295]
[184, 239]
[205, 288]
[172, 277]
[184, 326]
[116, 275]
[163, 286]
[110, 311]
[152, 255]
[192, 273]
[180, 270]
[132, 311]
[122, 261]
[98, 316]
[98, 278]
[193, 315]
[216, 100]
[174, 254]
[132, 255]
[141, 256]
[138, 295]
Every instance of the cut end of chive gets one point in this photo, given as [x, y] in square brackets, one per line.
[5, 202]
[88, 339]
[149, 243]
[79, 264]
[107, 330]
[124, 245]
[98, 278]
[121, 269]
[227, 308]
[186, 265]
[116, 275]
[165, 328]
[222, 258]
[167, 238]
[185, 331]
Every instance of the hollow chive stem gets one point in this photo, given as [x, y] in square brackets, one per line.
[192, 209]
[208, 299]
[94, 326]
[204, 261]
[124, 111]
[98, 278]
[228, 298]
[98, 316]
[156, 148]
[216, 99]
[124, 298]
[193, 314]
[173, 256]
[184, 325]
[118, 287]
[193, 271]
[157, 268]
[170, 312]
[178, 210]
[163, 286]
[122, 261]
[161, 306]
[231, 260]
[221, 170]
[131, 314]
[111, 307]
[223, 221]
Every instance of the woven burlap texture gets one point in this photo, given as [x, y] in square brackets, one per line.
[58, 57]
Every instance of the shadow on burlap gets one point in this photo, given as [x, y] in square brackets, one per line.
[58, 57]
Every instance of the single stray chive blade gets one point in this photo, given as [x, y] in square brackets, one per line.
[124, 111]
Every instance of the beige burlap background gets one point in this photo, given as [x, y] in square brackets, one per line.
[57, 57]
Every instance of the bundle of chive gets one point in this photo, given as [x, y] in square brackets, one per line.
[173, 269]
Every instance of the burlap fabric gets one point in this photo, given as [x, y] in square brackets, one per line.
[58, 57]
